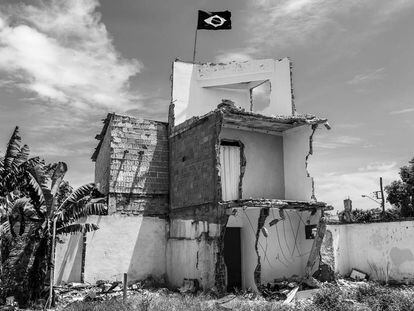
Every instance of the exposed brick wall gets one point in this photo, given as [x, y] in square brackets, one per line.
[139, 156]
[133, 162]
[138, 204]
[193, 164]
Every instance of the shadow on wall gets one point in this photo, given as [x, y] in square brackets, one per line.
[70, 266]
[141, 180]
[148, 254]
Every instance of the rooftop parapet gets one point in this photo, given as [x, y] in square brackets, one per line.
[197, 88]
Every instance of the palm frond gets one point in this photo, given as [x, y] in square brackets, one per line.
[94, 207]
[19, 206]
[36, 187]
[77, 228]
[5, 231]
[13, 148]
[22, 156]
[77, 195]
[57, 175]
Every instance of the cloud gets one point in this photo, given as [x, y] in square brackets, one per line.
[233, 56]
[402, 111]
[377, 74]
[61, 52]
[334, 187]
[293, 22]
[336, 142]
[348, 125]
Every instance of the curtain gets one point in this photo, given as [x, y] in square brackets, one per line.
[230, 172]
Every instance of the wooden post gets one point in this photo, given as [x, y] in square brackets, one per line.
[316, 247]
[125, 286]
[52, 266]
[382, 197]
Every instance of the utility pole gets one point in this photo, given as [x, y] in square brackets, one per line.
[382, 197]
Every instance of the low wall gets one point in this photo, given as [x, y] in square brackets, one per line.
[123, 244]
[383, 250]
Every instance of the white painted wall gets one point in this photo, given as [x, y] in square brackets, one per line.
[298, 186]
[363, 246]
[199, 88]
[279, 255]
[68, 259]
[191, 255]
[264, 174]
[132, 244]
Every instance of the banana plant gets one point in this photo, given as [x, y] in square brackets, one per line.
[35, 207]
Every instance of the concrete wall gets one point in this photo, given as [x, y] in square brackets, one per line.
[192, 247]
[68, 259]
[296, 146]
[191, 252]
[264, 173]
[193, 165]
[125, 244]
[283, 253]
[375, 248]
[199, 88]
[132, 169]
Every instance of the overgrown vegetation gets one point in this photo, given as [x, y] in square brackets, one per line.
[401, 192]
[369, 297]
[35, 201]
[375, 214]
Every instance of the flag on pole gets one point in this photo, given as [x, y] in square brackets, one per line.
[214, 20]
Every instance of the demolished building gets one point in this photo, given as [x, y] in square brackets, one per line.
[220, 193]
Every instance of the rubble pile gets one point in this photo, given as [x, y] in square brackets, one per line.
[102, 290]
[283, 288]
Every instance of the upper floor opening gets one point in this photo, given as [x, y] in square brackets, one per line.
[260, 86]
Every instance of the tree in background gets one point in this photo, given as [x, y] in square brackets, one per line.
[35, 203]
[400, 193]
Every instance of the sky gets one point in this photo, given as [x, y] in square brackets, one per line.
[64, 64]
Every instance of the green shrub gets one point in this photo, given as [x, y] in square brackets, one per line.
[369, 297]
[381, 298]
[331, 298]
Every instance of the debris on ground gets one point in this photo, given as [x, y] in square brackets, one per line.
[190, 286]
[283, 288]
[358, 275]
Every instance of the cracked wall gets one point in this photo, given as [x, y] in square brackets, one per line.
[197, 223]
[285, 250]
[264, 212]
[264, 170]
[297, 146]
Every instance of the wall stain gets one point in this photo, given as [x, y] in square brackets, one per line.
[399, 256]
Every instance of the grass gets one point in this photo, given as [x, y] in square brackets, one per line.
[368, 297]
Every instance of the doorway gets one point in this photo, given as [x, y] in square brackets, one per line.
[232, 258]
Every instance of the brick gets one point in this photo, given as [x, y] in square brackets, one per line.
[193, 180]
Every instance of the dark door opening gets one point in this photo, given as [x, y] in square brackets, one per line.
[232, 258]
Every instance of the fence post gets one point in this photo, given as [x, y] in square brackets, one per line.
[125, 286]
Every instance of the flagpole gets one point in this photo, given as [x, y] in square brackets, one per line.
[195, 45]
